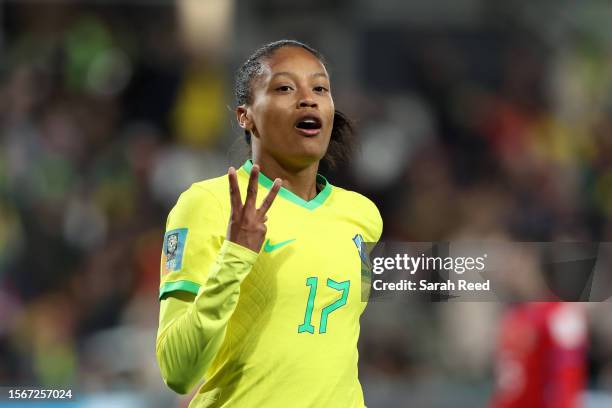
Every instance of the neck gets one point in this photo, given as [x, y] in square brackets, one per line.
[300, 181]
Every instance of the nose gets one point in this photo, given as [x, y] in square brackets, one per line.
[307, 103]
[306, 100]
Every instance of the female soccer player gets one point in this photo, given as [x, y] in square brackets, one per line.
[262, 298]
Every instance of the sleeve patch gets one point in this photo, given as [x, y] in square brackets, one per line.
[174, 248]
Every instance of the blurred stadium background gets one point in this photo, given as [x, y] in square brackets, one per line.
[478, 120]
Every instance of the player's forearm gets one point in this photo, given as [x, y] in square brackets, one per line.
[189, 340]
[184, 351]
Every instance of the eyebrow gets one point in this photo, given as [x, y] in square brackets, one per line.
[316, 74]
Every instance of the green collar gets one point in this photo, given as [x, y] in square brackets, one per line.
[288, 195]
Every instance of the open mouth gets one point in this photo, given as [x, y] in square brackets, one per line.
[309, 125]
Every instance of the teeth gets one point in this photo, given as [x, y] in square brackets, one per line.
[309, 123]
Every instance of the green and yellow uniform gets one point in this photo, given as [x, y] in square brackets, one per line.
[273, 329]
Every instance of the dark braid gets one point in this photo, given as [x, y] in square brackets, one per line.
[341, 144]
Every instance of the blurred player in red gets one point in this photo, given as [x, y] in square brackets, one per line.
[541, 356]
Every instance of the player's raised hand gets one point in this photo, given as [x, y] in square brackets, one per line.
[247, 224]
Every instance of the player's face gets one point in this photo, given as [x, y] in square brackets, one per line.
[292, 111]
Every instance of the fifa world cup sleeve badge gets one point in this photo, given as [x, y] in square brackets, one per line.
[173, 250]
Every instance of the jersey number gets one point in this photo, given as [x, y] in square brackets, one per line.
[312, 282]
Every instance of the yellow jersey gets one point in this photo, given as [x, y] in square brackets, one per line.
[292, 337]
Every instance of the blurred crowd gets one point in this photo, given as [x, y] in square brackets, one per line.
[494, 128]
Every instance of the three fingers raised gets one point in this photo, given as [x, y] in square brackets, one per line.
[249, 204]
[251, 197]
[235, 199]
[267, 202]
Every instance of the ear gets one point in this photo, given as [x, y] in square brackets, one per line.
[243, 116]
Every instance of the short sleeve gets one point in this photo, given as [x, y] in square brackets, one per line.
[195, 231]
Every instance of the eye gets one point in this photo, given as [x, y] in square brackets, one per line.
[320, 89]
[284, 88]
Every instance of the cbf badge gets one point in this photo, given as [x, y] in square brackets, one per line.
[174, 247]
[358, 240]
[366, 267]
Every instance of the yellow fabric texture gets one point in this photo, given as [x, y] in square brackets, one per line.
[273, 329]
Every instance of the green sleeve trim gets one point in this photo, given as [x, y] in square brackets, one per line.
[183, 285]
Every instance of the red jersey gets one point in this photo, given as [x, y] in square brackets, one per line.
[541, 357]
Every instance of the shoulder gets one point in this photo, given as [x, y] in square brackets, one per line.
[357, 201]
[216, 188]
[207, 197]
[362, 209]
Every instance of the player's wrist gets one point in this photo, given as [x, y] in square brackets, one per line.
[250, 244]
